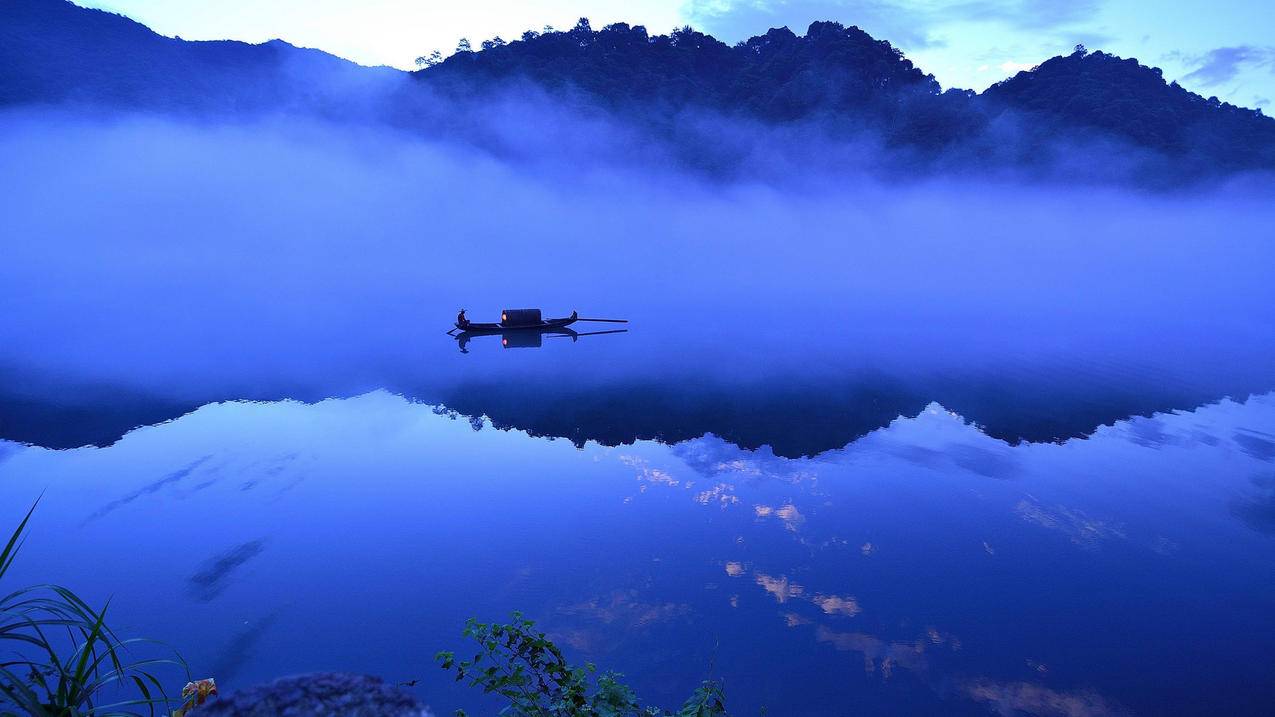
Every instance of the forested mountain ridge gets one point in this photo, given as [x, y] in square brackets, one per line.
[777, 76]
[832, 72]
[52, 51]
[842, 76]
[1098, 91]
[838, 85]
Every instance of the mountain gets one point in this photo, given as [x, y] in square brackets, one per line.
[1100, 93]
[777, 76]
[801, 100]
[831, 72]
[52, 51]
[841, 77]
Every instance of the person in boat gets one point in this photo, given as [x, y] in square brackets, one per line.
[461, 321]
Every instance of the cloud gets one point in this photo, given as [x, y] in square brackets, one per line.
[838, 604]
[1015, 698]
[877, 653]
[720, 460]
[1011, 67]
[648, 475]
[907, 24]
[1223, 64]
[779, 587]
[783, 590]
[8, 449]
[1082, 529]
[787, 512]
[731, 20]
[624, 607]
[1022, 14]
[721, 494]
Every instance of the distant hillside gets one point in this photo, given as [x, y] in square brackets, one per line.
[1102, 93]
[831, 71]
[1094, 115]
[52, 51]
[778, 76]
[842, 77]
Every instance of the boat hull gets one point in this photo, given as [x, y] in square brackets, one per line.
[548, 324]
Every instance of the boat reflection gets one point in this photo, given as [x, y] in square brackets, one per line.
[527, 338]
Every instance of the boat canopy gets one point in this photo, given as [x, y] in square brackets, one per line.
[519, 317]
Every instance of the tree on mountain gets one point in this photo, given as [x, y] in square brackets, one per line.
[429, 60]
[852, 85]
[463, 45]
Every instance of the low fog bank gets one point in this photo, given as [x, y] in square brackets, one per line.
[524, 123]
[518, 122]
[783, 109]
[199, 261]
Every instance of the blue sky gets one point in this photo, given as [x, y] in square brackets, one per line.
[1222, 48]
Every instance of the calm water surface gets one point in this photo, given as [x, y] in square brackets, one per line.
[925, 567]
[1020, 460]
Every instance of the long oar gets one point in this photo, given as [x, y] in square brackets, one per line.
[609, 321]
[587, 333]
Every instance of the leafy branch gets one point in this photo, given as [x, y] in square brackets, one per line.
[523, 666]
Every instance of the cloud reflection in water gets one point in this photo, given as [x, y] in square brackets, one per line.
[862, 550]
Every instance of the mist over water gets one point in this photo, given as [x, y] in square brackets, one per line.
[915, 446]
[193, 262]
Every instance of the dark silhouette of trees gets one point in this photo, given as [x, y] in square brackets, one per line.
[1098, 94]
[835, 87]
[848, 82]
[777, 76]
[429, 60]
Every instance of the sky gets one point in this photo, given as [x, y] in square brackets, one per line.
[1214, 47]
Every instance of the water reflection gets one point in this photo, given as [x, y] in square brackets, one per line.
[527, 338]
[1009, 699]
[597, 393]
[240, 647]
[176, 476]
[212, 579]
[1257, 507]
[925, 567]
[1258, 444]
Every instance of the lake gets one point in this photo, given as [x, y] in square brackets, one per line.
[922, 450]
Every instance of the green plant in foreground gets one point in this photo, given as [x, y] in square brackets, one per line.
[58, 658]
[523, 666]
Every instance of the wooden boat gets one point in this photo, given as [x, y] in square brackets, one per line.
[523, 328]
[474, 327]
